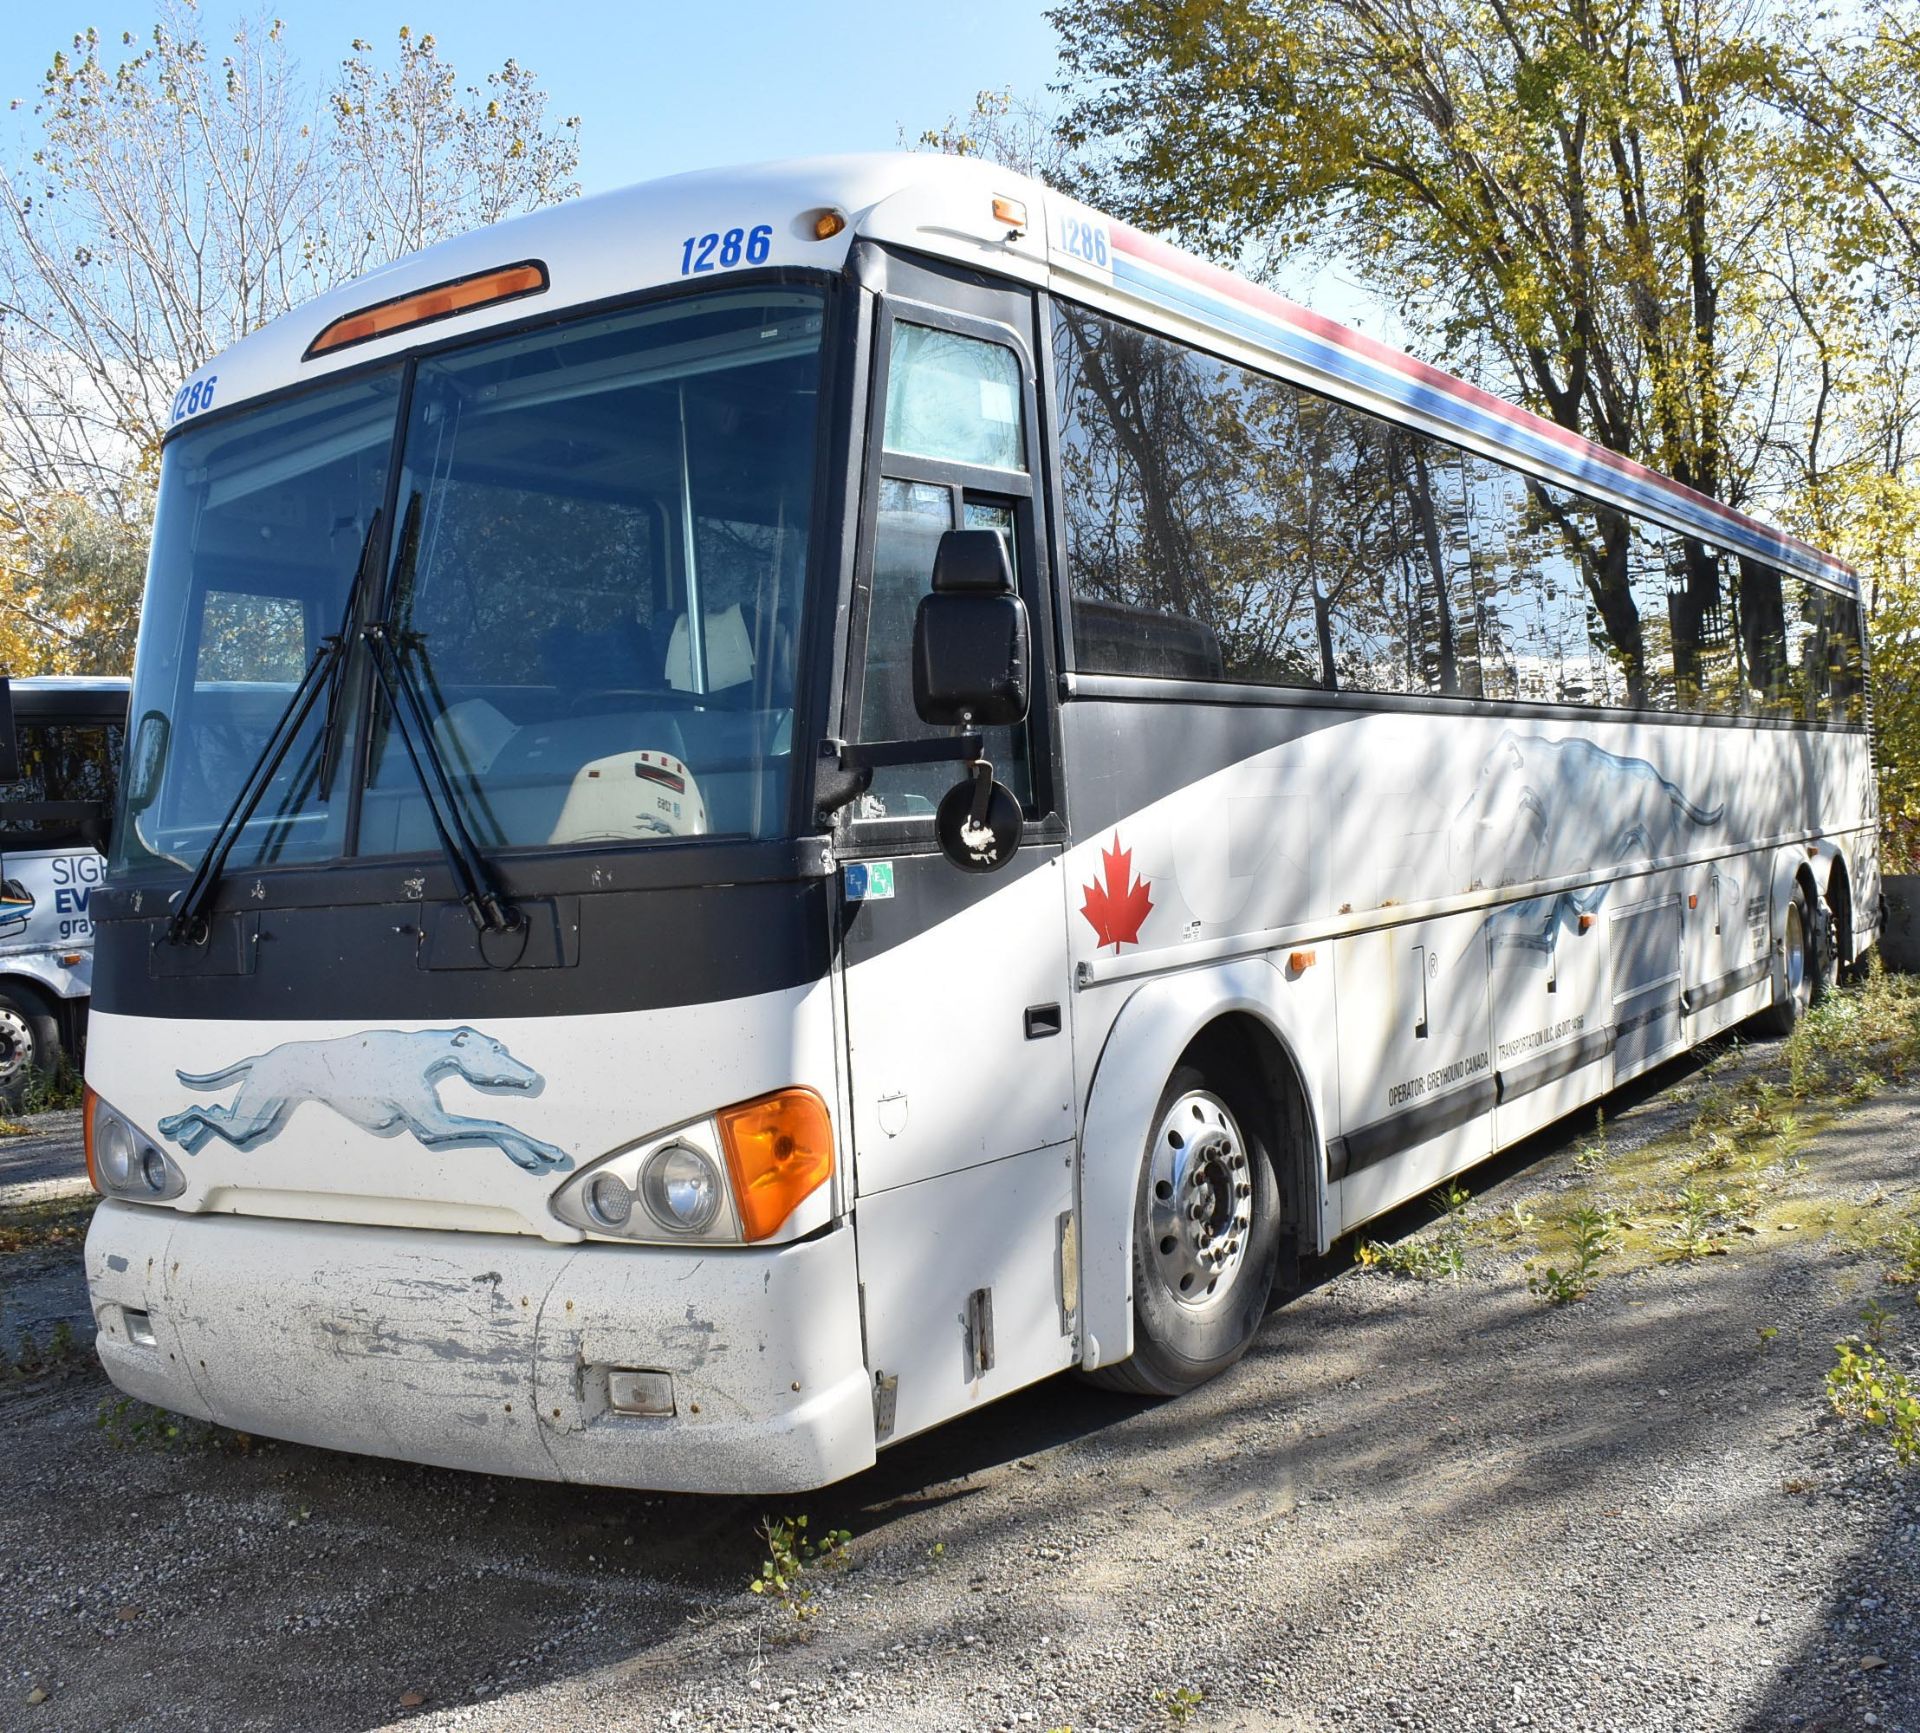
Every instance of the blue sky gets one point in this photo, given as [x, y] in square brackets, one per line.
[663, 88]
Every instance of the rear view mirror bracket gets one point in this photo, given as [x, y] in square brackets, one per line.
[846, 767]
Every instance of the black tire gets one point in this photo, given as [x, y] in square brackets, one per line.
[1181, 1339]
[1807, 957]
[29, 1042]
[1826, 922]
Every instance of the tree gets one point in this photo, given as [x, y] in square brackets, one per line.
[174, 201]
[1014, 131]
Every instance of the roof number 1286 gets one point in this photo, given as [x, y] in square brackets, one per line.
[723, 251]
[191, 399]
[1084, 240]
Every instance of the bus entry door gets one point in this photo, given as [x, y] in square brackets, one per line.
[962, 1093]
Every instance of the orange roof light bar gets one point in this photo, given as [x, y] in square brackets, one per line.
[424, 306]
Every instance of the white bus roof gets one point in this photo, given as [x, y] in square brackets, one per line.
[616, 243]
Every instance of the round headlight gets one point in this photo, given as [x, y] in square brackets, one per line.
[113, 1149]
[681, 1188]
[153, 1169]
[609, 1201]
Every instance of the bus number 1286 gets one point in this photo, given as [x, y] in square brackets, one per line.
[736, 246]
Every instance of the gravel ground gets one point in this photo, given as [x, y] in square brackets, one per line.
[1415, 1505]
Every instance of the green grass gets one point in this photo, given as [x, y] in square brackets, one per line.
[1729, 1182]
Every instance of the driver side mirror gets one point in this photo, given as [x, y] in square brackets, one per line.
[144, 760]
[970, 661]
[970, 638]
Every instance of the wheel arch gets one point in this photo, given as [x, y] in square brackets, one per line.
[1244, 1003]
[31, 988]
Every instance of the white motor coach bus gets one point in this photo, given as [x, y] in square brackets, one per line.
[761, 809]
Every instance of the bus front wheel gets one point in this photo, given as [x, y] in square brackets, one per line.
[29, 1043]
[1206, 1238]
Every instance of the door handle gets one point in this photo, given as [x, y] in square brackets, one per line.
[1042, 1021]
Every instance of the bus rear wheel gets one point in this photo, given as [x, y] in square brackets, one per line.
[29, 1043]
[1806, 960]
[1206, 1239]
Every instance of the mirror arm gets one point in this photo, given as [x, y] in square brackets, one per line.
[846, 767]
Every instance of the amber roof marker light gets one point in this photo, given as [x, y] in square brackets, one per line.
[436, 301]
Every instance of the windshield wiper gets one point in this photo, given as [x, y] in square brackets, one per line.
[335, 730]
[188, 912]
[322, 675]
[490, 910]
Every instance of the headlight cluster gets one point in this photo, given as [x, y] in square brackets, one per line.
[750, 1172]
[122, 1161]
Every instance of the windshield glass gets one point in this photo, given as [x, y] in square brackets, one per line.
[598, 575]
[261, 523]
[595, 575]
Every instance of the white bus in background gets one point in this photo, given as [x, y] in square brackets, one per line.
[60, 749]
[761, 809]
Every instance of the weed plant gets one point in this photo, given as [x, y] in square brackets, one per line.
[1594, 1236]
[1426, 1259]
[795, 1561]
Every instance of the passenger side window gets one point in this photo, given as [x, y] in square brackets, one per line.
[1185, 495]
[1531, 550]
[1702, 616]
[1223, 525]
[956, 400]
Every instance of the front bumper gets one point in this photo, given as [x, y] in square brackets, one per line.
[491, 1351]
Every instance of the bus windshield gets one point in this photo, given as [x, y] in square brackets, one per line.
[594, 580]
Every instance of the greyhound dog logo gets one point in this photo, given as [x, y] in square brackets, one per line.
[383, 1080]
[1541, 808]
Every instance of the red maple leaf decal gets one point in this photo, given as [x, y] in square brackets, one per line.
[1114, 910]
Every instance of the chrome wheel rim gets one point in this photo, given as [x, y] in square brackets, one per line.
[16, 1046]
[1796, 952]
[1199, 1201]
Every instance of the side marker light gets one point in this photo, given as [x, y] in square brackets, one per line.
[88, 1102]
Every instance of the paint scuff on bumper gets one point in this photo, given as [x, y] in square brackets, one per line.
[490, 1352]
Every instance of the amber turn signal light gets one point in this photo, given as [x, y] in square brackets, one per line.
[88, 1102]
[828, 224]
[424, 306]
[779, 1152]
